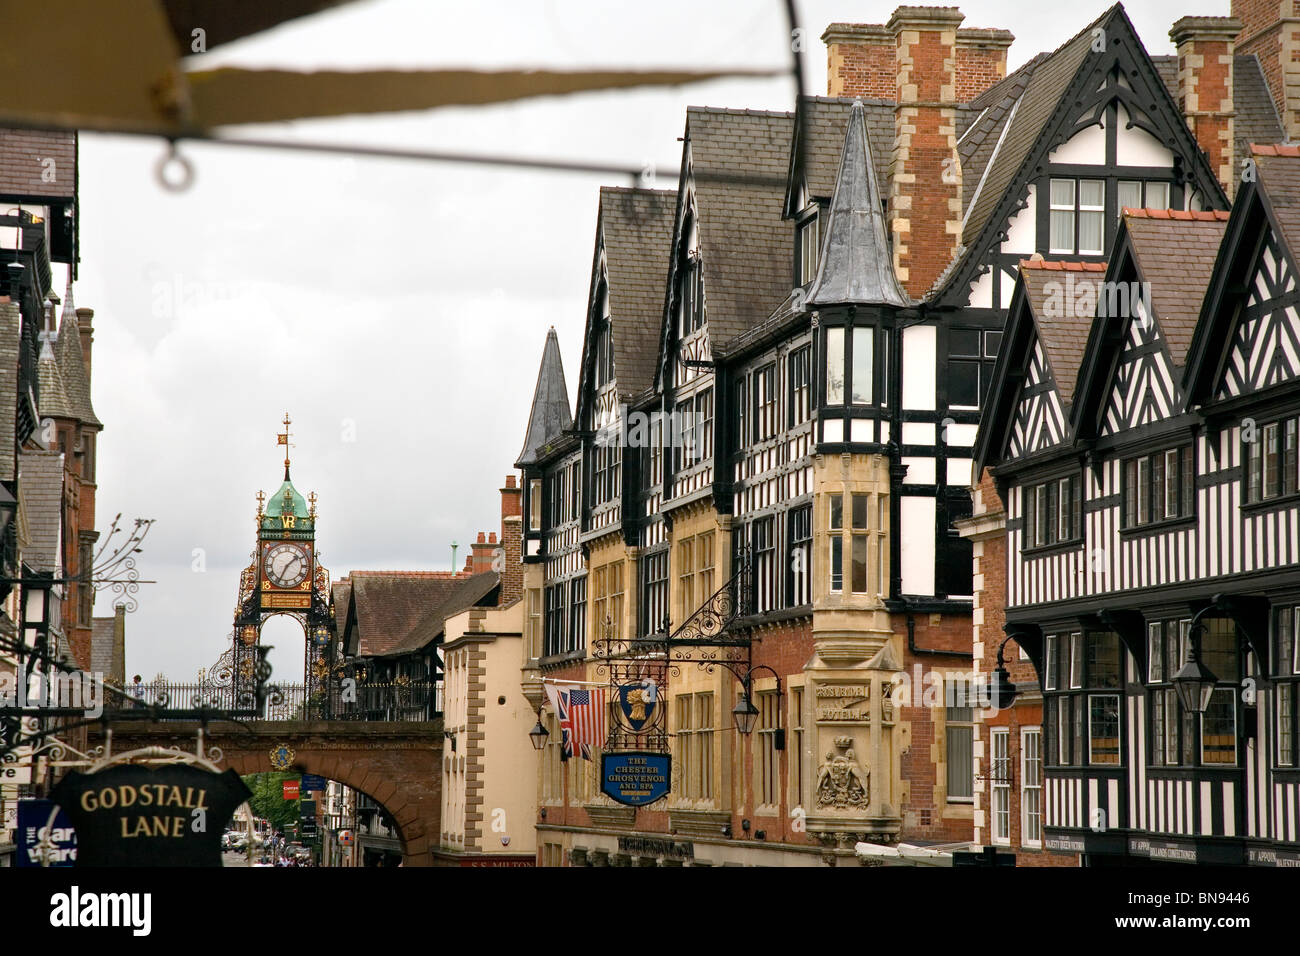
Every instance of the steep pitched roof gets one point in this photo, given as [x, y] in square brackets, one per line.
[1063, 332]
[1256, 119]
[551, 413]
[826, 119]
[53, 394]
[1175, 253]
[855, 265]
[466, 593]
[1034, 124]
[72, 364]
[1271, 200]
[1044, 82]
[40, 496]
[637, 227]
[740, 162]
[388, 604]
[1279, 177]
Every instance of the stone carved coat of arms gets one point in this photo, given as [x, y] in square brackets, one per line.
[841, 783]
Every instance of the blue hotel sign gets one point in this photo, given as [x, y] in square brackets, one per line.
[635, 779]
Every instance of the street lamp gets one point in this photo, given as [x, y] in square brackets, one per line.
[1002, 693]
[1194, 681]
[745, 713]
[538, 734]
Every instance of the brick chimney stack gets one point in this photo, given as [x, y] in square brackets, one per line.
[1271, 31]
[1205, 55]
[861, 60]
[481, 553]
[512, 542]
[925, 173]
[84, 319]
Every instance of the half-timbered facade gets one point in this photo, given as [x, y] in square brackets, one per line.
[785, 363]
[1161, 528]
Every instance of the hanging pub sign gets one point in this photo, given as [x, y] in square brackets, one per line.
[131, 815]
[39, 836]
[638, 705]
[635, 779]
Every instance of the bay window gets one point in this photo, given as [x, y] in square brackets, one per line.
[851, 366]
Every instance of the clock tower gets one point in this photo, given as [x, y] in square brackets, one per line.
[285, 577]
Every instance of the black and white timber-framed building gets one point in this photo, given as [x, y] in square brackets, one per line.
[1168, 490]
[831, 365]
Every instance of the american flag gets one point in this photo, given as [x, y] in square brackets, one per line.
[581, 715]
[587, 718]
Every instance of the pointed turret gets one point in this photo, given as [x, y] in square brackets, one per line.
[855, 266]
[54, 400]
[551, 413]
[72, 364]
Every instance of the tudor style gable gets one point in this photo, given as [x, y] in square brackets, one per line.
[1264, 349]
[1032, 388]
[1147, 307]
[1249, 338]
[1066, 143]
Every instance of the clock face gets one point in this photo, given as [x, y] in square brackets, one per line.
[286, 565]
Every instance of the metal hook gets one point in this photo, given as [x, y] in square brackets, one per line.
[181, 175]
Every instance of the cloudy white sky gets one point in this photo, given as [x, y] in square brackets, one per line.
[403, 302]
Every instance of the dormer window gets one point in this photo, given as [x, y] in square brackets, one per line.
[809, 232]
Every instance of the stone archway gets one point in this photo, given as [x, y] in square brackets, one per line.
[397, 764]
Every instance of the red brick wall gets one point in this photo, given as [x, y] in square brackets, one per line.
[1261, 35]
[786, 649]
[24, 166]
[978, 68]
[512, 532]
[923, 812]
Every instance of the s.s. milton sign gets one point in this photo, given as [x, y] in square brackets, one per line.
[136, 816]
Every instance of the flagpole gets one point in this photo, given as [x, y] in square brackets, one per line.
[589, 683]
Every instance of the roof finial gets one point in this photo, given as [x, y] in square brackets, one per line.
[284, 440]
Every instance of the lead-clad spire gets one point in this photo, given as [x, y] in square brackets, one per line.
[855, 266]
[551, 413]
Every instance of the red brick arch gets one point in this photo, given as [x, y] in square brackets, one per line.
[397, 764]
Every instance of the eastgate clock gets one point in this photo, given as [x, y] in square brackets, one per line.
[286, 565]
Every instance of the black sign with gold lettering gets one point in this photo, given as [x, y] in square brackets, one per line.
[135, 816]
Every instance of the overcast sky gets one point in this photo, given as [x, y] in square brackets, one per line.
[405, 303]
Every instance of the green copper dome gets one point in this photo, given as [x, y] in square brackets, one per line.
[285, 501]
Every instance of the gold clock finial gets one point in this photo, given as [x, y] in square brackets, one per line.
[312, 498]
[260, 499]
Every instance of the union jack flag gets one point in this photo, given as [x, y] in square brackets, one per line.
[581, 715]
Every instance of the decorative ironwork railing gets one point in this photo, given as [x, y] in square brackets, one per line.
[400, 700]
